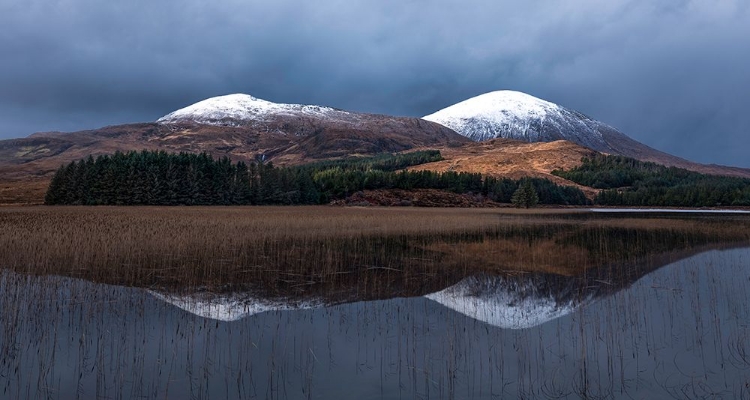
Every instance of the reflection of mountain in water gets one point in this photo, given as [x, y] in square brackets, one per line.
[531, 299]
[232, 307]
[557, 269]
[67, 338]
[515, 302]
[506, 301]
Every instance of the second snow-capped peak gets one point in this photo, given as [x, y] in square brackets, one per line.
[239, 108]
[515, 115]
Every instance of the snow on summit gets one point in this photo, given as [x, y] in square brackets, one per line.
[499, 106]
[515, 115]
[239, 108]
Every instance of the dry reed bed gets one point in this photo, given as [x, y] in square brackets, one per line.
[412, 249]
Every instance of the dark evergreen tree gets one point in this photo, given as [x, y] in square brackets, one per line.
[630, 182]
[525, 196]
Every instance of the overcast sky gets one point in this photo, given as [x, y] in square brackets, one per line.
[676, 76]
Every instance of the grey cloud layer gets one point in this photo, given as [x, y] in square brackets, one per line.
[672, 77]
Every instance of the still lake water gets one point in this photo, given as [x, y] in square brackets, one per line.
[680, 330]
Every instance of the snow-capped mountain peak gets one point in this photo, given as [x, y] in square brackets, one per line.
[515, 115]
[498, 106]
[238, 108]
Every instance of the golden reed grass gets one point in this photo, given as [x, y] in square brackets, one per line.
[222, 248]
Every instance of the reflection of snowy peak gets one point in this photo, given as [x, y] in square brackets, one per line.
[516, 115]
[231, 307]
[509, 303]
[237, 109]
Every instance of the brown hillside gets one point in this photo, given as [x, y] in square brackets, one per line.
[27, 164]
[513, 159]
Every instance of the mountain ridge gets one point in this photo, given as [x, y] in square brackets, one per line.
[244, 128]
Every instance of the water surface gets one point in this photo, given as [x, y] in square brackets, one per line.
[657, 312]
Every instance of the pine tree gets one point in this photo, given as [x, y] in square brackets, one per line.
[525, 195]
[55, 190]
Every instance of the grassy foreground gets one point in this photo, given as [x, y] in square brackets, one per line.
[319, 247]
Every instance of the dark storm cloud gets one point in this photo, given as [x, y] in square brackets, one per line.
[674, 77]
